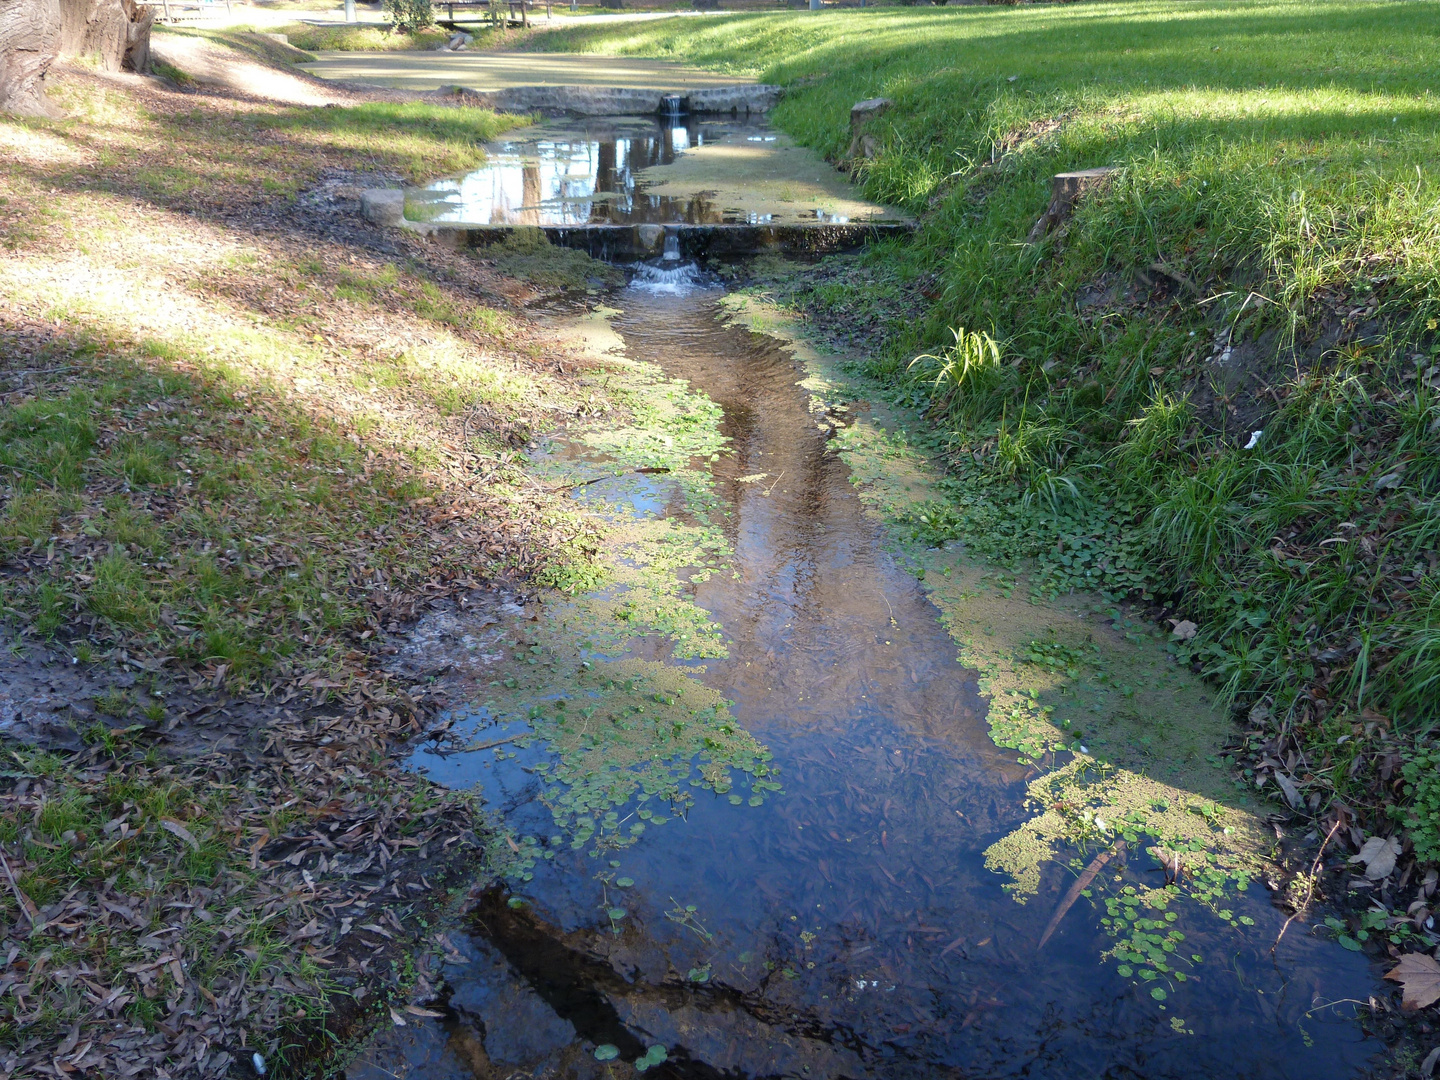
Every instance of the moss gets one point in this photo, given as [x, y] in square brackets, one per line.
[629, 734]
[670, 431]
[527, 254]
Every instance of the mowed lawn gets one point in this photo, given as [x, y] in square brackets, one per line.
[1347, 81]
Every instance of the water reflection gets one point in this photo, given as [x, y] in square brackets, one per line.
[849, 927]
[557, 175]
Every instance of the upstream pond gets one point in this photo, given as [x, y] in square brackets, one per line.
[682, 170]
[783, 794]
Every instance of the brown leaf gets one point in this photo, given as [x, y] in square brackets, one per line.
[1378, 854]
[1419, 978]
[1292, 793]
[174, 827]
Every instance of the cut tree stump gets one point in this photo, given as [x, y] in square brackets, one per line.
[862, 114]
[1066, 190]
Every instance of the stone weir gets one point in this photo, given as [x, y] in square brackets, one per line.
[744, 99]
[623, 243]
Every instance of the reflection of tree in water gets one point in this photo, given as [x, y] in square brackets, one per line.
[605, 167]
[530, 194]
[701, 211]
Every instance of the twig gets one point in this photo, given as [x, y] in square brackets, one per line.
[1314, 869]
[1081, 883]
[492, 742]
[649, 471]
[27, 906]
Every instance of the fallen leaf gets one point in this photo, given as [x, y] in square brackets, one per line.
[1292, 793]
[416, 1010]
[399, 1020]
[1419, 978]
[1378, 854]
[1427, 1067]
[174, 827]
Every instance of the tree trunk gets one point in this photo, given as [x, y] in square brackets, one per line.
[117, 32]
[34, 32]
[29, 40]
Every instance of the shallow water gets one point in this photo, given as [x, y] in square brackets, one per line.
[629, 171]
[846, 926]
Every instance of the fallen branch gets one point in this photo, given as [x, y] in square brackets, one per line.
[648, 471]
[492, 742]
[1081, 884]
[27, 906]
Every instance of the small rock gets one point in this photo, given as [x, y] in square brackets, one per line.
[650, 236]
[383, 206]
[1184, 630]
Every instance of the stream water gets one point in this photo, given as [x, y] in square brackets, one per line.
[557, 174]
[847, 925]
[668, 170]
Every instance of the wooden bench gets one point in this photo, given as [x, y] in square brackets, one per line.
[173, 11]
[518, 10]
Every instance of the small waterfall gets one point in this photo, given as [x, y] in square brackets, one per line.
[666, 280]
[672, 106]
[672, 248]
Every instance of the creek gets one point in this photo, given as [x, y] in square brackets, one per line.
[814, 899]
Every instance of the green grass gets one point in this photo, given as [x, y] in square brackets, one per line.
[208, 580]
[1275, 194]
[74, 841]
[422, 140]
[360, 38]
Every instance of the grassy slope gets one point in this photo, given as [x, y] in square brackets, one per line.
[237, 443]
[360, 38]
[1266, 259]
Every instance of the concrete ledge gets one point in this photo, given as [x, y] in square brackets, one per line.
[739, 100]
[625, 243]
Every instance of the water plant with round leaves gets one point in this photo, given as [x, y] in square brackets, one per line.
[655, 1055]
